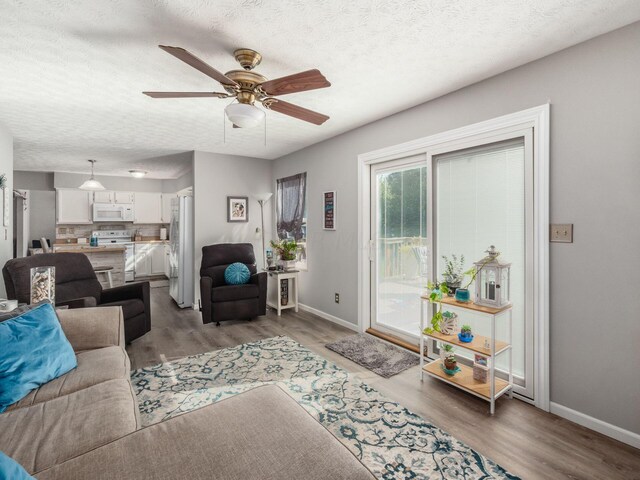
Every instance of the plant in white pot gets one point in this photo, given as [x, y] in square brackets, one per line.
[287, 251]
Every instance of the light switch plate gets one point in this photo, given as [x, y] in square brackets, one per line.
[561, 232]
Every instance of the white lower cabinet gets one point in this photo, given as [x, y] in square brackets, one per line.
[150, 259]
[167, 264]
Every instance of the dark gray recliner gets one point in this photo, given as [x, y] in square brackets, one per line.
[222, 302]
[78, 287]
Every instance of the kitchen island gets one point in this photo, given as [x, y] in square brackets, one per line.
[100, 256]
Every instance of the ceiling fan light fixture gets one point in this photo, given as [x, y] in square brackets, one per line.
[244, 115]
[137, 173]
[92, 184]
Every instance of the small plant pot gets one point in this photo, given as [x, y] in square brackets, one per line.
[452, 287]
[463, 295]
[465, 337]
[450, 366]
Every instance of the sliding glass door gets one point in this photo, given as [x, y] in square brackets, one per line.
[400, 253]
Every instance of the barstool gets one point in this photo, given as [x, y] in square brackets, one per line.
[106, 270]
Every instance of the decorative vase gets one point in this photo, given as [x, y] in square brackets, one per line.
[449, 324]
[465, 337]
[43, 284]
[289, 264]
[463, 295]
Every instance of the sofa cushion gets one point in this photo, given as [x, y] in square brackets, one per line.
[262, 434]
[130, 307]
[237, 274]
[230, 293]
[34, 352]
[94, 367]
[49, 433]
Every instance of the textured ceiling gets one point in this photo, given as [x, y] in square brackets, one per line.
[71, 72]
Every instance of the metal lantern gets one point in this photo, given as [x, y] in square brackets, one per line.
[493, 280]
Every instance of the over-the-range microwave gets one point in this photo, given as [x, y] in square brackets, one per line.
[113, 212]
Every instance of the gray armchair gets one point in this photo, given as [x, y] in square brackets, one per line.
[222, 302]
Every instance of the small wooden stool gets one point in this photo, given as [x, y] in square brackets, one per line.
[106, 270]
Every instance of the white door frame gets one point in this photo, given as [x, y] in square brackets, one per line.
[538, 118]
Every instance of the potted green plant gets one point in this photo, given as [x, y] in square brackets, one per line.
[465, 335]
[287, 251]
[453, 273]
[436, 291]
[445, 350]
[450, 364]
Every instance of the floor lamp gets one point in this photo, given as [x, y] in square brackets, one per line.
[262, 199]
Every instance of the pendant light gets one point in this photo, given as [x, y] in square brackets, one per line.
[91, 184]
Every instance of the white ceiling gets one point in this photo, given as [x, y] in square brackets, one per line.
[71, 73]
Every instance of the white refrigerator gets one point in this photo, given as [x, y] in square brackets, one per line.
[181, 251]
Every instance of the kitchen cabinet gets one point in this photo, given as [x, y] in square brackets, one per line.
[166, 206]
[73, 207]
[108, 196]
[167, 263]
[123, 197]
[149, 259]
[148, 207]
[105, 196]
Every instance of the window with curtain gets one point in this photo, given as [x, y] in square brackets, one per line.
[291, 212]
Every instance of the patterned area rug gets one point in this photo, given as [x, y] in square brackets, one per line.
[379, 357]
[391, 441]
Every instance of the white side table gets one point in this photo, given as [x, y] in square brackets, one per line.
[285, 280]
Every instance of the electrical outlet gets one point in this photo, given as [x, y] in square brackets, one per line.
[561, 232]
[337, 298]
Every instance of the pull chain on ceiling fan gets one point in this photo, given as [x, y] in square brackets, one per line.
[247, 87]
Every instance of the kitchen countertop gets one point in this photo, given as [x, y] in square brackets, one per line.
[71, 247]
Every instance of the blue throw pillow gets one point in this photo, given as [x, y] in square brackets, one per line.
[237, 274]
[34, 351]
[12, 470]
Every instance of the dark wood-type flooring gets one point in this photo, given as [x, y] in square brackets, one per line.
[525, 440]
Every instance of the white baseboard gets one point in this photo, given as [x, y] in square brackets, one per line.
[329, 317]
[613, 431]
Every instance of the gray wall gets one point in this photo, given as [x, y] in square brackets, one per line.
[595, 173]
[122, 184]
[42, 215]
[33, 180]
[6, 167]
[217, 176]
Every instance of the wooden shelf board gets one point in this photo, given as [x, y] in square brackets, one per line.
[469, 305]
[393, 339]
[464, 379]
[477, 345]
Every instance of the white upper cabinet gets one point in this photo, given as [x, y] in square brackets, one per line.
[73, 206]
[148, 207]
[166, 206]
[104, 196]
[108, 196]
[124, 197]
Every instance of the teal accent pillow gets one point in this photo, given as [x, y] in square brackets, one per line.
[34, 351]
[12, 470]
[237, 274]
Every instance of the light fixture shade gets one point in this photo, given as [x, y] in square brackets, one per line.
[91, 184]
[137, 173]
[244, 115]
[262, 197]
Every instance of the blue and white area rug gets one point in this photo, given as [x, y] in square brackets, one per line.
[391, 441]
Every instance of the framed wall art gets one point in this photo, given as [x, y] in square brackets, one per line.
[329, 210]
[237, 209]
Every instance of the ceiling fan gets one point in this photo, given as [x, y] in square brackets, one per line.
[248, 87]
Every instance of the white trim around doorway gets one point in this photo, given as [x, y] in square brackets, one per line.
[538, 118]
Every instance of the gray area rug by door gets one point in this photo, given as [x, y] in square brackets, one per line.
[378, 356]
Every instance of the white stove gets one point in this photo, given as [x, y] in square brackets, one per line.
[120, 237]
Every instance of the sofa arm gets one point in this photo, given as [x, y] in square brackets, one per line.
[84, 302]
[131, 291]
[260, 279]
[91, 328]
[206, 284]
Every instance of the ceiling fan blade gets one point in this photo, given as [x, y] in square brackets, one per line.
[186, 94]
[295, 111]
[195, 62]
[298, 82]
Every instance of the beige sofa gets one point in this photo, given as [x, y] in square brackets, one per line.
[86, 425]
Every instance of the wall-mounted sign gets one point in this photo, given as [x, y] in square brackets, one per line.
[329, 204]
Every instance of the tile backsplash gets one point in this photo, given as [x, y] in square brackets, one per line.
[73, 232]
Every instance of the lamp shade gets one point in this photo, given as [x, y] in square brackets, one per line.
[263, 197]
[244, 115]
[91, 184]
